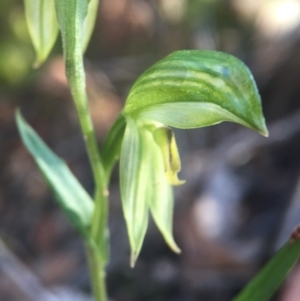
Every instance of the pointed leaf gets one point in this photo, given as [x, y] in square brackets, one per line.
[89, 23]
[73, 199]
[190, 89]
[42, 25]
[265, 284]
[134, 173]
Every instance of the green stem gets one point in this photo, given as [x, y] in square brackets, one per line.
[97, 274]
[76, 77]
[71, 27]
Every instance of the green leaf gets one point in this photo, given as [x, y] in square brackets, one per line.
[89, 23]
[72, 198]
[112, 146]
[42, 25]
[265, 284]
[191, 88]
[134, 175]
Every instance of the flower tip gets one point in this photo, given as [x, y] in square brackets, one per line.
[133, 259]
[173, 179]
[37, 63]
[176, 249]
[172, 244]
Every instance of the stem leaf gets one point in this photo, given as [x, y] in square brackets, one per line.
[265, 284]
[70, 195]
[76, 20]
[70, 16]
[42, 26]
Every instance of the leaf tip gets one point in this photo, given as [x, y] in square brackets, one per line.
[37, 64]
[18, 116]
[261, 126]
[264, 132]
[41, 57]
[133, 259]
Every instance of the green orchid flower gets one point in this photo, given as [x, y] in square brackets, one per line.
[187, 89]
[148, 167]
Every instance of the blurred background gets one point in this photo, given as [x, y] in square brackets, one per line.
[242, 196]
